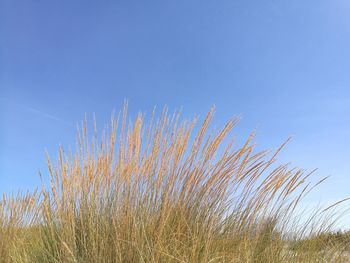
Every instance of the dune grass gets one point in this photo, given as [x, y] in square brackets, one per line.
[166, 190]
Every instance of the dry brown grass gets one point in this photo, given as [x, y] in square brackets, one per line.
[157, 191]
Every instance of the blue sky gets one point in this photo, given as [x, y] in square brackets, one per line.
[281, 65]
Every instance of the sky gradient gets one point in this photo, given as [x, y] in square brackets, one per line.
[283, 66]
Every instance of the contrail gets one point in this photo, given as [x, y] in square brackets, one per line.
[42, 113]
[45, 114]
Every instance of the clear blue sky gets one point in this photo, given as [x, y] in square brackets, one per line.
[282, 65]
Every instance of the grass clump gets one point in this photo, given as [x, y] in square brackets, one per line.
[164, 191]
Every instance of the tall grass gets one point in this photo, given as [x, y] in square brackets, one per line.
[164, 190]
